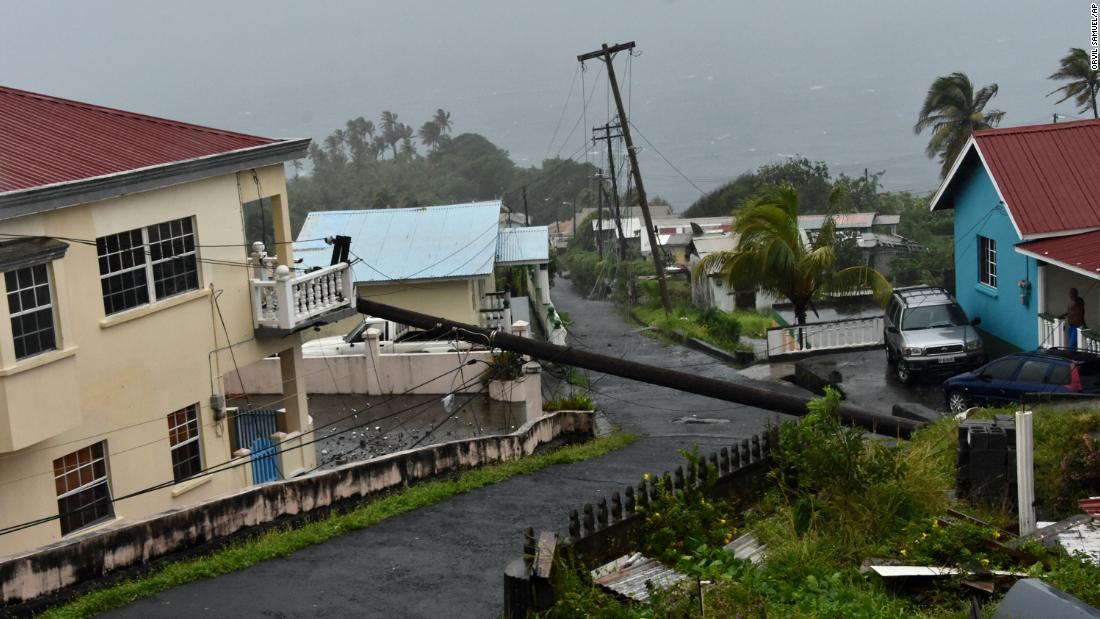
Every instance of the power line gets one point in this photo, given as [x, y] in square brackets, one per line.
[670, 164]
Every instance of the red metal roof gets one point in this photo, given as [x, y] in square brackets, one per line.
[46, 140]
[1049, 175]
[1076, 251]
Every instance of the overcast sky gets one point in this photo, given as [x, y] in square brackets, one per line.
[720, 87]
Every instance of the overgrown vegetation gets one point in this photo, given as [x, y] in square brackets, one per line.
[283, 541]
[576, 401]
[503, 365]
[721, 329]
[838, 498]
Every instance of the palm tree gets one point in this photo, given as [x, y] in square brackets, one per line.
[1084, 81]
[429, 133]
[390, 128]
[443, 119]
[405, 133]
[774, 256]
[953, 111]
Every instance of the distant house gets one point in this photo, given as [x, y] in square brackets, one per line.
[1027, 229]
[710, 289]
[437, 260]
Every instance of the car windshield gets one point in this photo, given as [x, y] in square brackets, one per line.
[933, 316]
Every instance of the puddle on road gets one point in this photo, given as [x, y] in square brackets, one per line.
[692, 419]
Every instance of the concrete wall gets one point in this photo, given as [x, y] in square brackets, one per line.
[978, 211]
[397, 373]
[124, 545]
[117, 377]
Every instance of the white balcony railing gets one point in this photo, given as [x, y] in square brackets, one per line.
[286, 302]
[835, 335]
[1052, 334]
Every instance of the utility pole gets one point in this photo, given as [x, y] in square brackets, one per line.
[605, 53]
[752, 393]
[526, 215]
[574, 218]
[599, 223]
[606, 137]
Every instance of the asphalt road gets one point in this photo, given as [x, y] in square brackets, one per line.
[447, 560]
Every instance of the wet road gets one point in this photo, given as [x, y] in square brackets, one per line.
[446, 560]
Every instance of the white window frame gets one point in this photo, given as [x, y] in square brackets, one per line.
[105, 481]
[987, 261]
[192, 412]
[37, 308]
[148, 262]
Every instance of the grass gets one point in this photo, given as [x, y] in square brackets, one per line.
[284, 541]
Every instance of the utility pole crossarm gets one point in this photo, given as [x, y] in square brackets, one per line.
[606, 50]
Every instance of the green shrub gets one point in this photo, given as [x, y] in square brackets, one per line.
[504, 365]
[721, 325]
[579, 401]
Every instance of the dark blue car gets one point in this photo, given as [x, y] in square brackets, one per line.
[1005, 381]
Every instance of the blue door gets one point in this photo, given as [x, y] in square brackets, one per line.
[254, 430]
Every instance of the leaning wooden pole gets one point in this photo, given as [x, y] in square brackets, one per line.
[750, 393]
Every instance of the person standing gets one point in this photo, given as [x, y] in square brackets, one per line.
[1075, 318]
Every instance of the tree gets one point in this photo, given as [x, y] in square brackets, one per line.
[406, 133]
[430, 133]
[952, 110]
[772, 254]
[443, 121]
[1083, 80]
[391, 131]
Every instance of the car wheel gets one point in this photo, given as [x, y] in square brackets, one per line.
[904, 372]
[957, 402]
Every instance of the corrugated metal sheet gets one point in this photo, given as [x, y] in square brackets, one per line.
[523, 245]
[843, 221]
[1079, 251]
[1046, 173]
[46, 140]
[629, 575]
[407, 244]
[707, 245]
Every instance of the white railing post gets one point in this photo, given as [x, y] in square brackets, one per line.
[284, 297]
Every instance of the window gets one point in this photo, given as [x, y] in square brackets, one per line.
[1032, 372]
[1059, 375]
[933, 316]
[987, 261]
[131, 276]
[31, 306]
[183, 436]
[1001, 370]
[83, 494]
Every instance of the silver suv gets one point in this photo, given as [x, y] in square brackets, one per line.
[926, 330]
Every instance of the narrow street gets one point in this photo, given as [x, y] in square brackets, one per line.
[446, 560]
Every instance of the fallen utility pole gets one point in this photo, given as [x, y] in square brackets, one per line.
[605, 53]
[758, 395]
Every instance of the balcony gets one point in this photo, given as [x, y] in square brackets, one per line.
[283, 303]
[1052, 334]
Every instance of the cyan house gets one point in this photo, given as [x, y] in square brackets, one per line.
[1027, 229]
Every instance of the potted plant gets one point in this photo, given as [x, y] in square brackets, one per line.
[504, 377]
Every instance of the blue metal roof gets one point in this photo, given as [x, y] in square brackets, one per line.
[436, 242]
[523, 245]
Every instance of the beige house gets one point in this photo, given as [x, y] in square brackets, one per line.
[437, 260]
[129, 296]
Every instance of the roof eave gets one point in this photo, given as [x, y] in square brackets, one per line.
[935, 203]
[1058, 263]
[22, 202]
